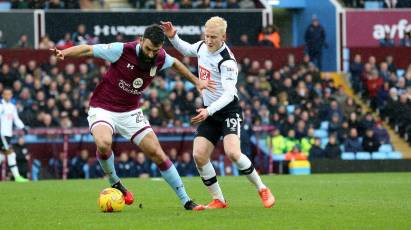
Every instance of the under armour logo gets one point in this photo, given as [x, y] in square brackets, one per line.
[130, 66]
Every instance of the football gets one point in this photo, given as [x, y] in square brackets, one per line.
[110, 200]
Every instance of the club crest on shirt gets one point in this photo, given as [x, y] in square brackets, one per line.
[204, 73]
[153, 71]
[137, 83]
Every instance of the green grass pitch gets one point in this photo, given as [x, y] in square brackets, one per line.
[339, 201]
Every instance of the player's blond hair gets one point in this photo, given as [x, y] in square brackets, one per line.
[218, 22]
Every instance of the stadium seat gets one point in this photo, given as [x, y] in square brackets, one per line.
[278, 157]
[5, 5]
[378, 156]
[324, 125]
[290, 109]
[385, 148]
[348, 156]
[320, 133]
[372, 5]
[324, 142]
[394, 155]
[363, 156]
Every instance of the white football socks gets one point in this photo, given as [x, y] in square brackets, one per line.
[209, 178]
[246, 167]
[11, 160]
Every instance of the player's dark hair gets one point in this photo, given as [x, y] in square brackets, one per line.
[155, 33]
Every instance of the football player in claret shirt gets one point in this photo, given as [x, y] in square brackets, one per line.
[222, 115]
[115, 108]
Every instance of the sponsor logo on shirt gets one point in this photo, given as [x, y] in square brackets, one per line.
[128, 88]
[204, 73]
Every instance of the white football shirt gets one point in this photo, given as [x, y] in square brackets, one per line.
[219, 66]
[8, 116]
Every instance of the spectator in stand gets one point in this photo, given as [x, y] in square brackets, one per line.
[154, 117]
[277, 142]
[387, 41]
[247, 4]
[244, 40]
[295, 154]
[406, 41]
[204, 4]
[170, 5]
[186, 4]
[23, 42]
[141, 166]
[374, 83]
[316, 152]
[381, 133]
[95, 169]
[124, 167]
[53, 4]
[353, 142]
[269, 37]
[332, 149]
[315, 41]
[79, 167]
[65, 42]
[173, 155]
[81, 37]
[46, 43]
[370, 142]
[232, 4]
[391, 65]
[384, 71]
[56, 165]
[186, 166]
[367, 122]
[218, 4]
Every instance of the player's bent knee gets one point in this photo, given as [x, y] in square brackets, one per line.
[200, 159]
[233, 155]
[103, 145]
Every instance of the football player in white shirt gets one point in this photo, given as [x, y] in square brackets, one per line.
[222, 115]
[8, 117]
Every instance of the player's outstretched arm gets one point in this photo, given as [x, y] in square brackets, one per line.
[75, 51]
[182, 46]
[200, 85]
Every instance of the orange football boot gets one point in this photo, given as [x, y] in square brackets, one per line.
[217, 204]
[267, 197]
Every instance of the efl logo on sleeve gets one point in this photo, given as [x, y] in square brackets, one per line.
[204, 73]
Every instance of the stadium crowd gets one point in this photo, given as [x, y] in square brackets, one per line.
[387, 89]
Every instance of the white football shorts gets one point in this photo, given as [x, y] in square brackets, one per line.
[132, 125]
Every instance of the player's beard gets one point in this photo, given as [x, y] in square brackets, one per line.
[146, 59]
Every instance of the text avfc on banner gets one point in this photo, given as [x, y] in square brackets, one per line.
[366, 28]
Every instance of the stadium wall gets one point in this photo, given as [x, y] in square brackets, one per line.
[401, 55]
[327, 13]
[278, 56]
